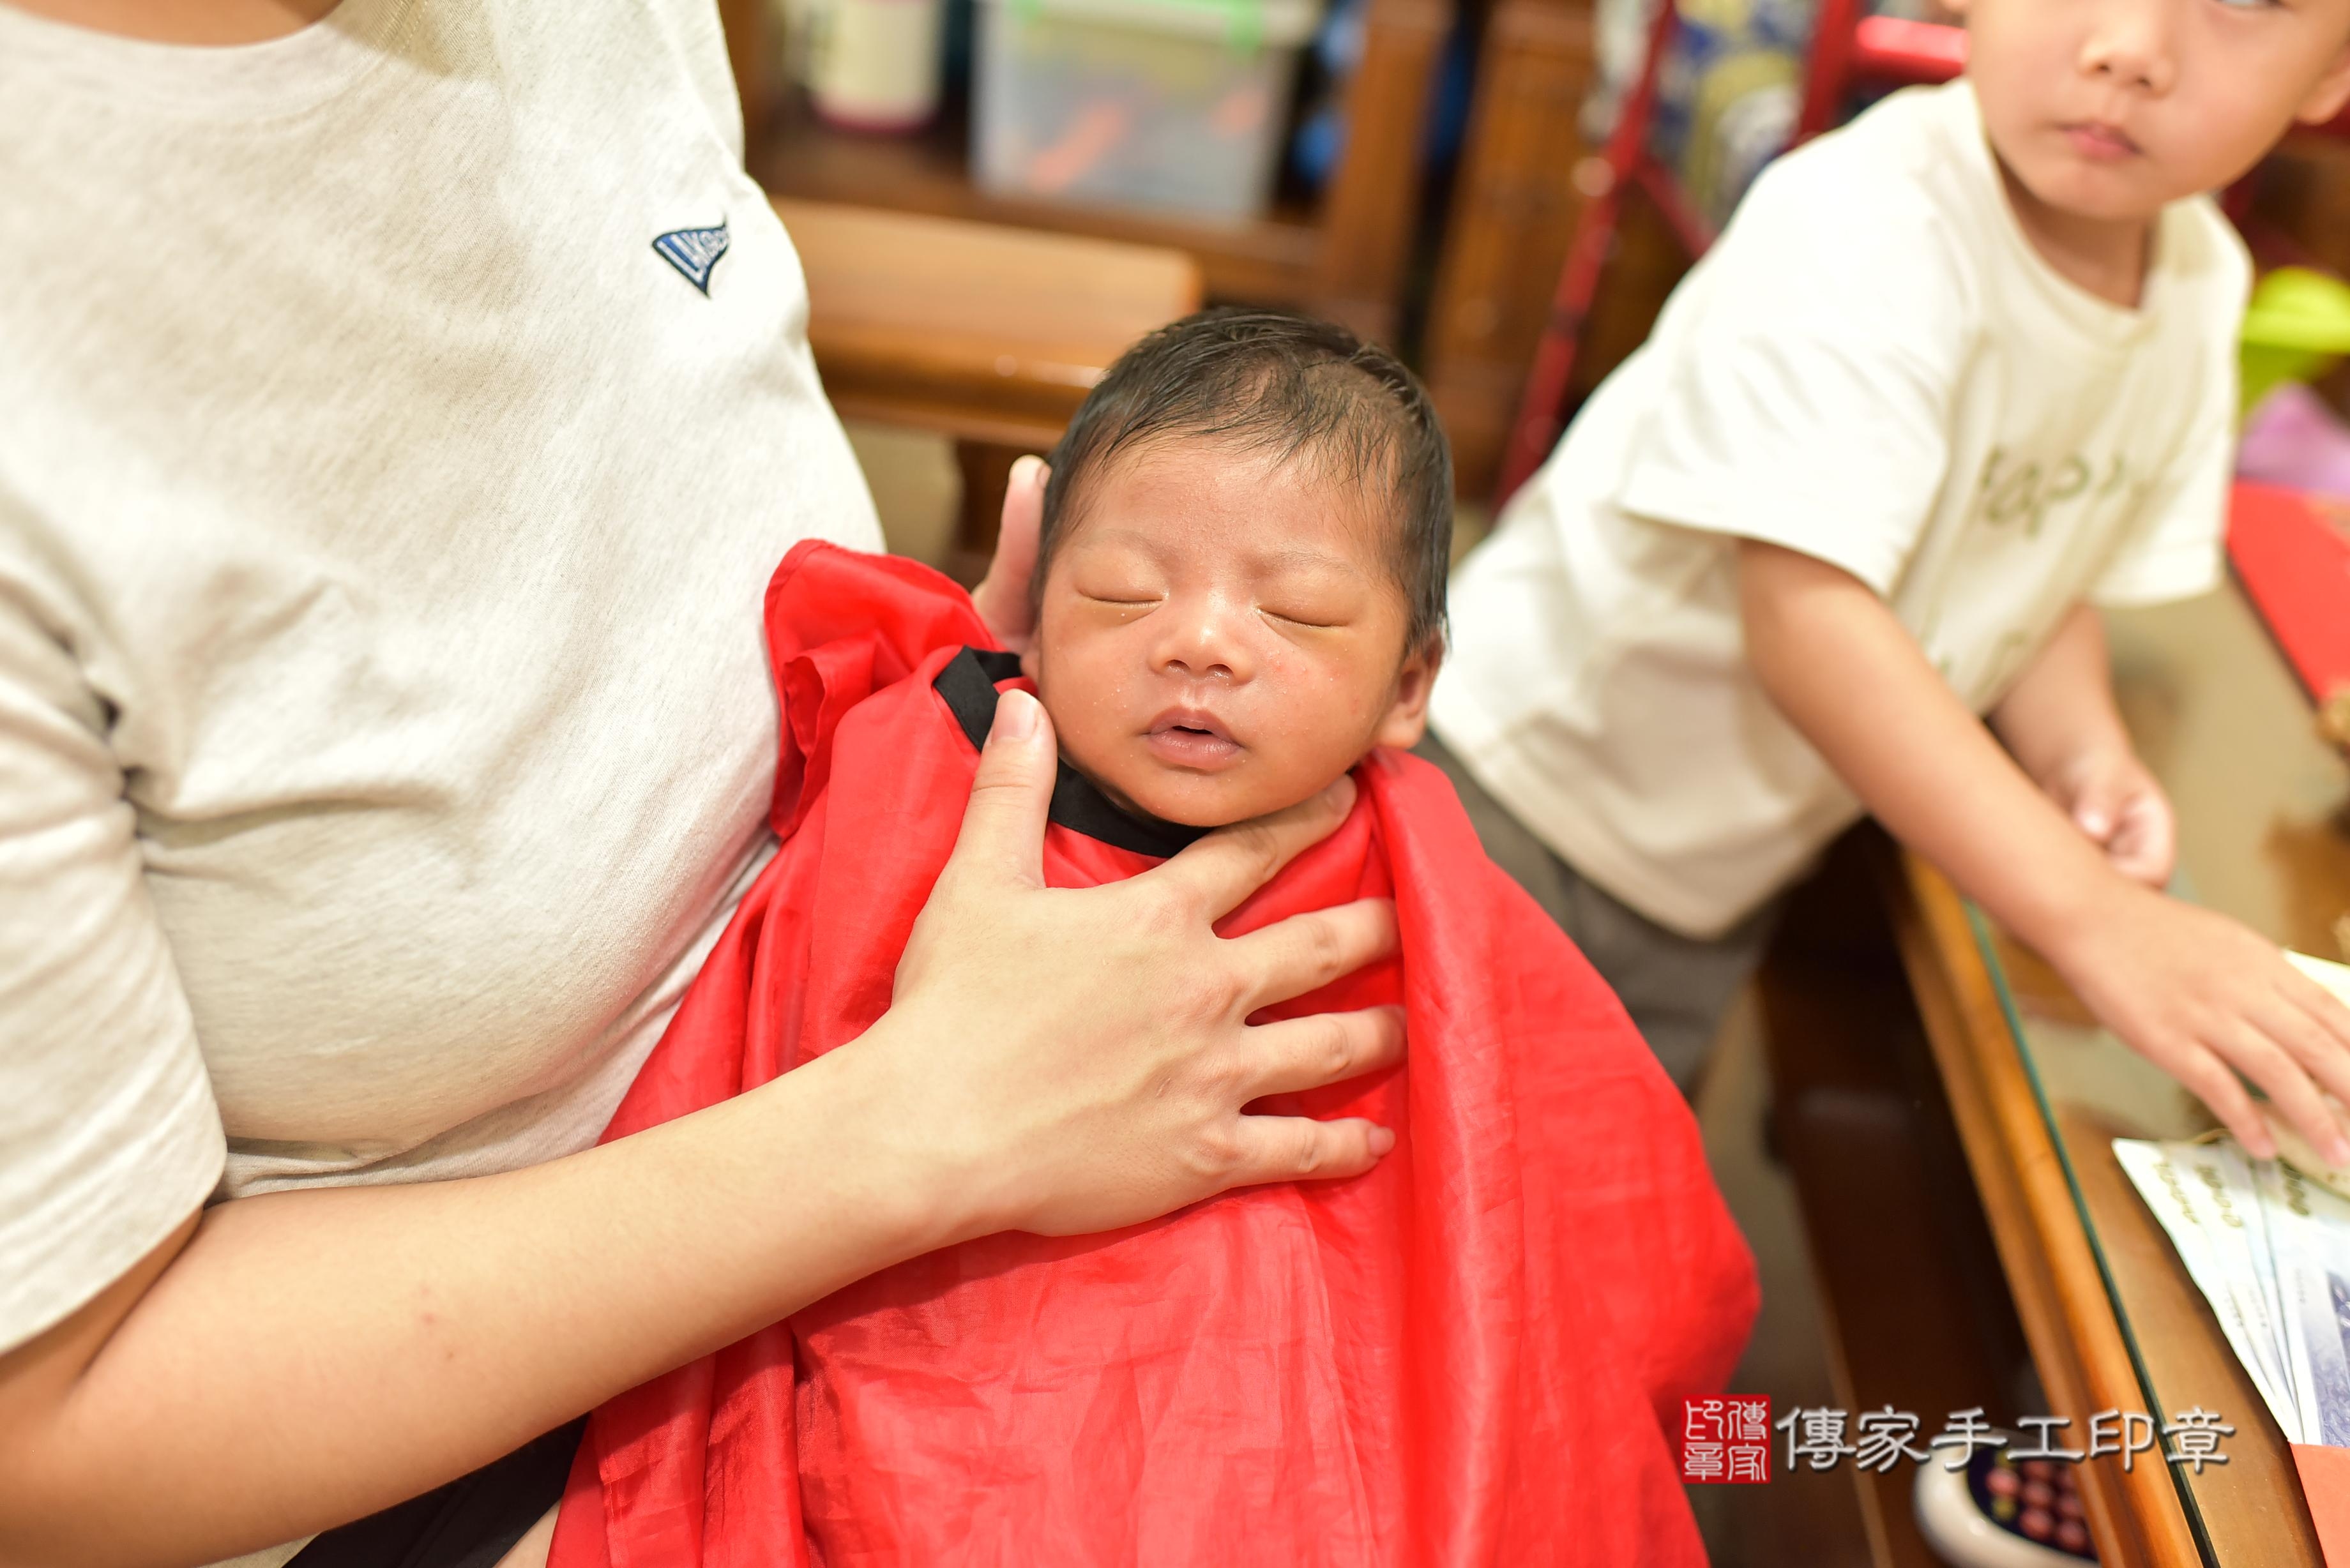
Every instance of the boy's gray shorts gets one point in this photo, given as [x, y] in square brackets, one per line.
[1676, 988]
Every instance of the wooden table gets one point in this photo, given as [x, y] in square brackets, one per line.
[2038, 1091]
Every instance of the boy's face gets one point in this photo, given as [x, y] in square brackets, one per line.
[1220, 635]
[2110, 109]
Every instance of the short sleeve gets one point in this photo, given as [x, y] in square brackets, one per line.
[1804, 398]
[108, 1134]
[2173, 549]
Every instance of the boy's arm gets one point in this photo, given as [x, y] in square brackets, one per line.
[2061, 726]
[2193, 991]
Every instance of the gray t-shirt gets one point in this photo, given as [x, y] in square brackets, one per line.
[385, 509]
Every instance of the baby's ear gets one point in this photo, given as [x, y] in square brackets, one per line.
[1406, 716]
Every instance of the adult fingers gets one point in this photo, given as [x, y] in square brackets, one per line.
[1306, 952]
[2290, 1090]
[1002, 834]
[1300, 1148]
[1002, 597]
[1223, 869]
[1300, 1053]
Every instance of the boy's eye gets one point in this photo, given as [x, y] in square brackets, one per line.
[1299, 614]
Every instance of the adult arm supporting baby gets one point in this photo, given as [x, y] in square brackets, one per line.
[1054, 1060]
[2198, 994]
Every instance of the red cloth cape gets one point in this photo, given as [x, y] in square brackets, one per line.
[1474, 1354]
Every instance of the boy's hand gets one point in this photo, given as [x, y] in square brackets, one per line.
[2196, 993]
[2061, 725]
[2205, 998]
[2111, 796]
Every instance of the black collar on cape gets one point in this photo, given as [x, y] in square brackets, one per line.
[968, 684]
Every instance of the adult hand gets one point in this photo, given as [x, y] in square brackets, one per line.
[1002, 595]
[1054, 1060]
[2205, 998]
[1068, 1060]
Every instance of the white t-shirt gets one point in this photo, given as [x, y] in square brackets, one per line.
[385, 726]
[1874, 368]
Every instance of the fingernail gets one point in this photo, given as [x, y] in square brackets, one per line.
[2337, 1153]
[1016, 718]
[1382, 1140]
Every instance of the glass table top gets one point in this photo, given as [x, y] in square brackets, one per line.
[2264, 806]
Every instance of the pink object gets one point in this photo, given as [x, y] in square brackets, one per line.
[2295, 439]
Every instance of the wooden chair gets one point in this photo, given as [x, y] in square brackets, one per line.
[991, 335]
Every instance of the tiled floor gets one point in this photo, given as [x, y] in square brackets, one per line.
[1813, 1519]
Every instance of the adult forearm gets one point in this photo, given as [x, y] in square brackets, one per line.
[1058, 1060]
[309, 1357]
[1842, 668]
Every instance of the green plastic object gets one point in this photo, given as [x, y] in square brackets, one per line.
[2297, 328]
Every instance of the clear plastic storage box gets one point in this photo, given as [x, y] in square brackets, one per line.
[1174, 105]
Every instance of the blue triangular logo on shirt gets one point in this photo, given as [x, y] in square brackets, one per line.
[694, 251]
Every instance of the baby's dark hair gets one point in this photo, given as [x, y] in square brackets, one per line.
[1271, 381]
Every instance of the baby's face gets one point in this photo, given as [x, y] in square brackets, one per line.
[1220, 635]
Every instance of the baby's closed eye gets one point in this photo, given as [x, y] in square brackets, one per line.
[1125, 589]
[1121, 599]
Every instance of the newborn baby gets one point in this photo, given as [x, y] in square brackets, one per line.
[1472, 1355]
[1239, 583]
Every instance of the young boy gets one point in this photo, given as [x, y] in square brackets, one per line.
[1473, 1355]
[1954, 376]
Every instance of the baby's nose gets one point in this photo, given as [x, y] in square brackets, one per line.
[1205, 645]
